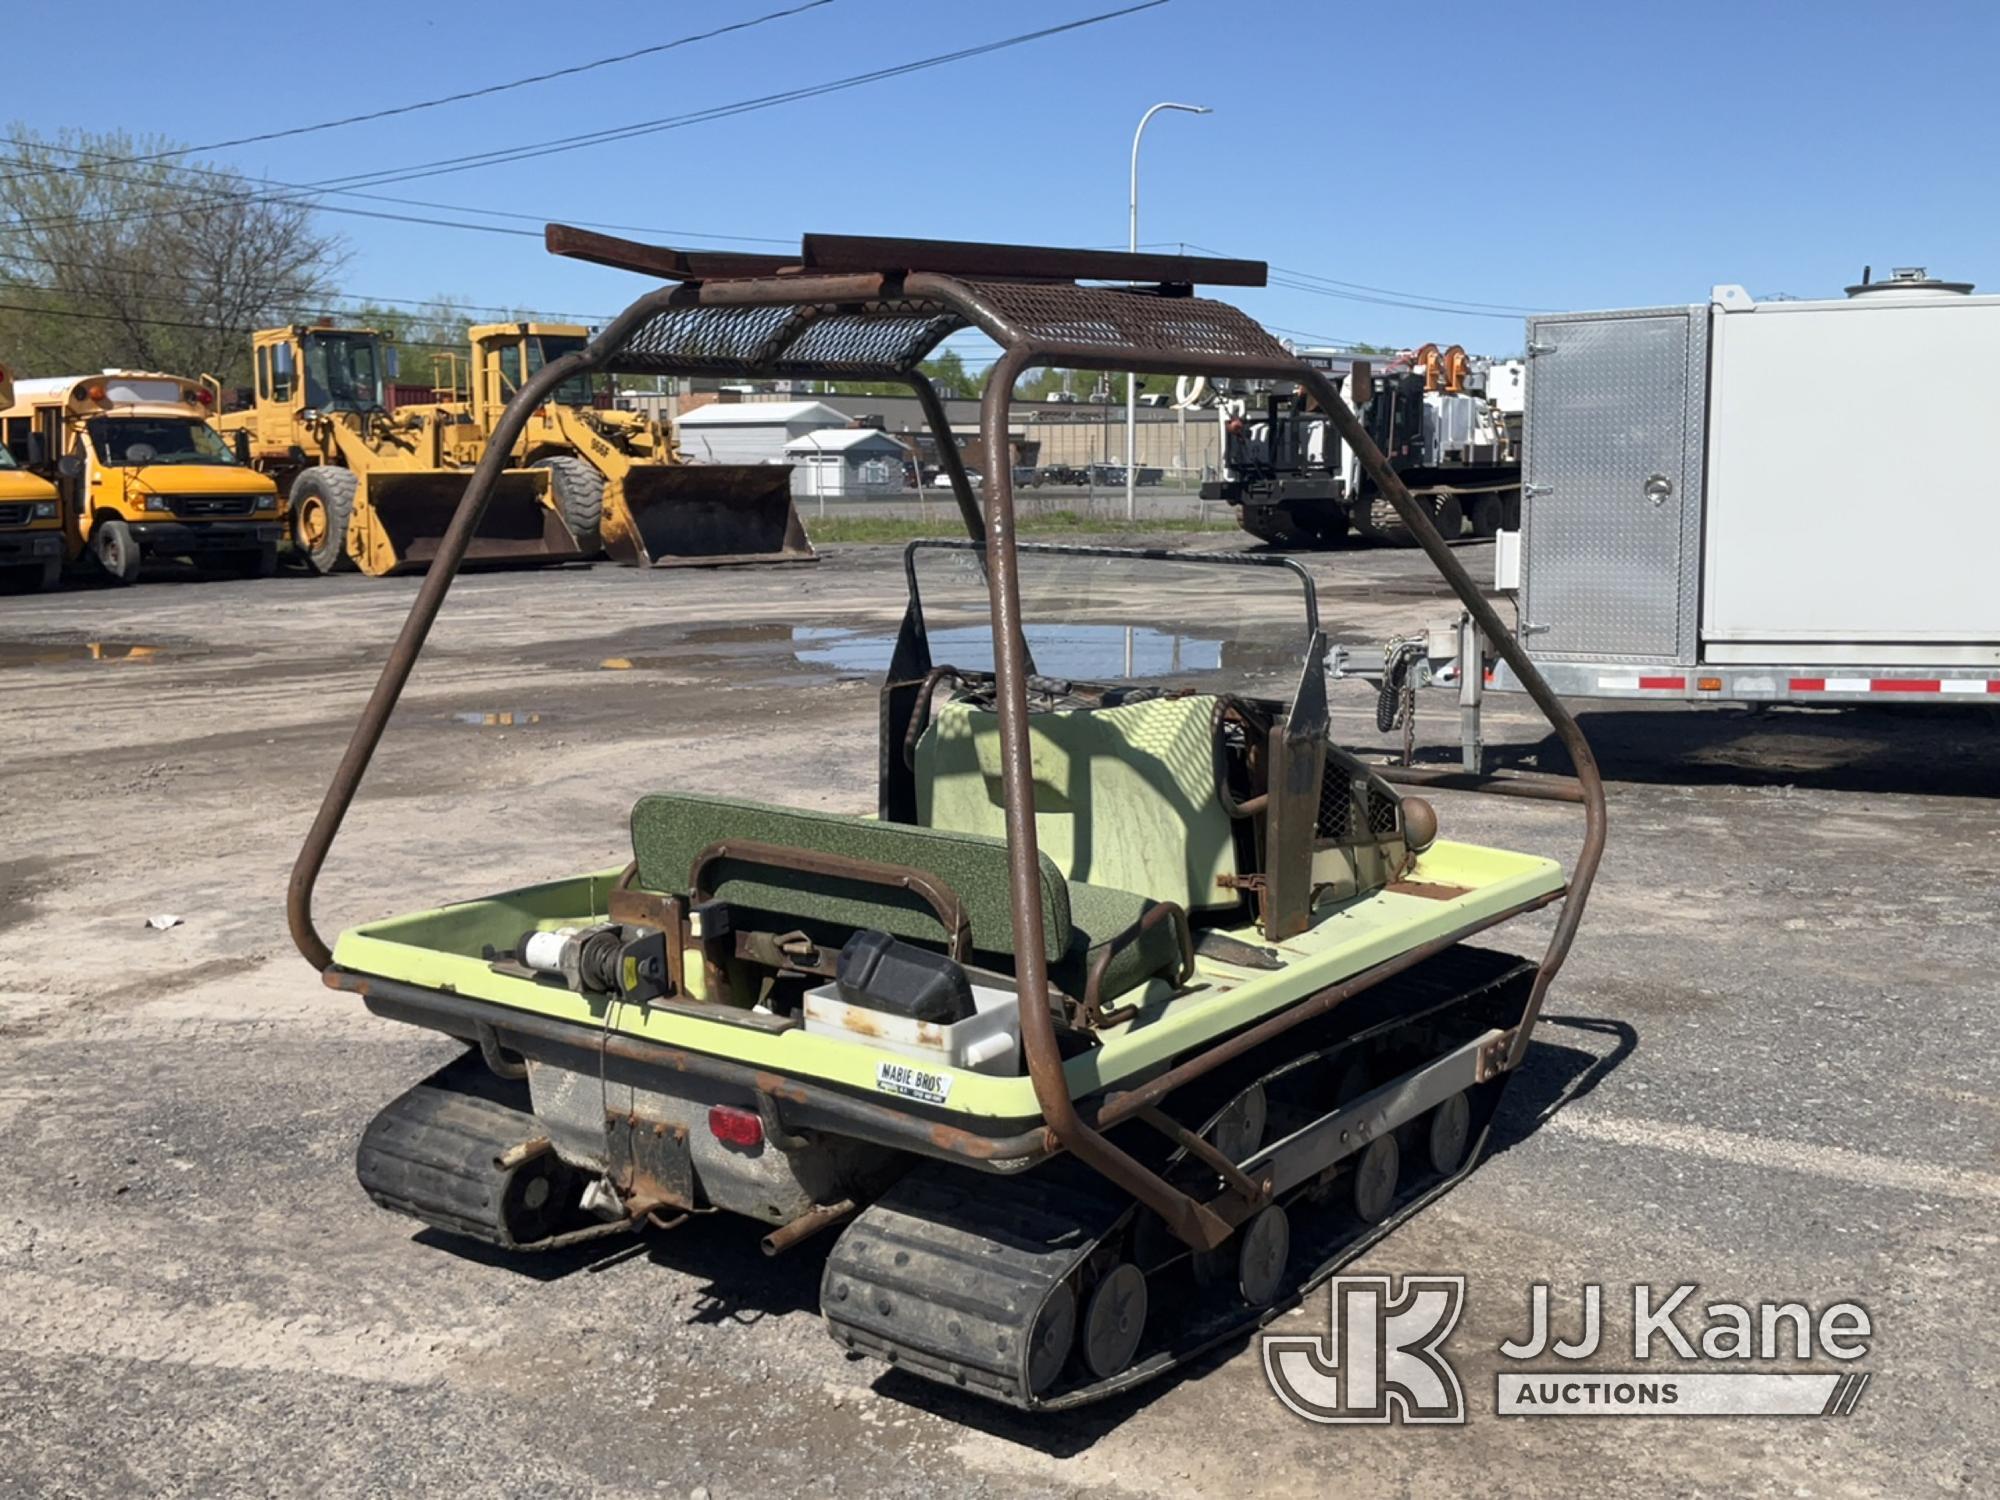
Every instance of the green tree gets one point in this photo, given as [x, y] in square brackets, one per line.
[109, 259]
[948, 372]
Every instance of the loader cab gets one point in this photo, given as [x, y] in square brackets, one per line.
[322, 368]
[507, 354]
[300, 372]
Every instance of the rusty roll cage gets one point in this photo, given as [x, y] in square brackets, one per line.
[863, 308]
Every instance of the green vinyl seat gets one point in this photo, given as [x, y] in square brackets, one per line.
[671, 830]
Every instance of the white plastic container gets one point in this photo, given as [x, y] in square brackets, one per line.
[987, 1041]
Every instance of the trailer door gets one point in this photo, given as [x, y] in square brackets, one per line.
[1611, 501]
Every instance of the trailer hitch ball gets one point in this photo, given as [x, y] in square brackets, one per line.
[1420, 824]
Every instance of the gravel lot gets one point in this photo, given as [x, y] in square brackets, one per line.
[1768, 1069]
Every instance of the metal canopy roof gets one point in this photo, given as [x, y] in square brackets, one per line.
[855, 307]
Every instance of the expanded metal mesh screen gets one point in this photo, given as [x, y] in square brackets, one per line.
[875, 340]
[1118, 318]
[887, 338]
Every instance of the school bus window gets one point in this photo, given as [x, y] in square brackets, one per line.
[128, 441]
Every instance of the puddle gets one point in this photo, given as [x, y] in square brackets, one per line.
[54, 653]
[497, 718]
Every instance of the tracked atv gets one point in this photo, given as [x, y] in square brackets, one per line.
[1136, 1010]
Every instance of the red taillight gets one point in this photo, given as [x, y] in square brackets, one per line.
[735, 1127]
[205, 396]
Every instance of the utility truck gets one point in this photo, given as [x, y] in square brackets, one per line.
[1447, 422]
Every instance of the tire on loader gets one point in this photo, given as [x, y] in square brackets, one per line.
[579, 494]
[322, 507]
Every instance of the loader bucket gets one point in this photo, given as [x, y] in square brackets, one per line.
[408, 513]
[703, 515]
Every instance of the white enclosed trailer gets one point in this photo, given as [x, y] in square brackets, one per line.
[1762, 502]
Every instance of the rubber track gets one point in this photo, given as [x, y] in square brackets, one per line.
[430, 1154]
[945, 1274]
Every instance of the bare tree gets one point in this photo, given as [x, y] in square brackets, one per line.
[110, 259]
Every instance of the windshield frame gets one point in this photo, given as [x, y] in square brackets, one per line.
[1292, 565]
[578, 390]
[94, 426]
[316, 387]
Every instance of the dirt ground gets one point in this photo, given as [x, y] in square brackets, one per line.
[1767, 1069]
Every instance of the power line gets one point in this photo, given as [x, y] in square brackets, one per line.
[346, 185]
[300, 292]
[237, 177]
[1325, 286]
[315, 296]
[1306, 286]
[71, 315]
[478, 93]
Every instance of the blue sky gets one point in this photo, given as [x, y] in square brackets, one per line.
[1522, 156]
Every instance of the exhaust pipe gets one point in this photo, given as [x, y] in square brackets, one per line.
[806, 1225]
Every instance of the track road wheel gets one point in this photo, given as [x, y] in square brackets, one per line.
[1239, 1130]
[1263, 1248]
[1053, 1337]
[1114, 1320]
[322, 506]
[117, 551]
[579, 491]
[1375, 1174]
[1449, 1135]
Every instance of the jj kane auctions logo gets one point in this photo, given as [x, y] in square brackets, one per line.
[1382, 1358]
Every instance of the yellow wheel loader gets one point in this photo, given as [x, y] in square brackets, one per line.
[656, 510]
[369, 486]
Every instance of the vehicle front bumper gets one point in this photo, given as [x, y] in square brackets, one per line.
[30, 547]
[177, 538]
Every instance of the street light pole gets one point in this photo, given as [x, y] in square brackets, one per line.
[1131, 391]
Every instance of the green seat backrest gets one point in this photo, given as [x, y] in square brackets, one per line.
[1124, 796]
[669, 830]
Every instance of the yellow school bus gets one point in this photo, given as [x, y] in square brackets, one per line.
[142, 473]
[31, 538]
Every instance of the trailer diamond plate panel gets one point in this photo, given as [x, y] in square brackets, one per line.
[1612, 500]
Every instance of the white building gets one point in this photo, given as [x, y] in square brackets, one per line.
[850, 463]
[754, 432]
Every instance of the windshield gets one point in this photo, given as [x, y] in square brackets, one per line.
[1220, 624]
[343, 372]
[546, 349]
[123, 441]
